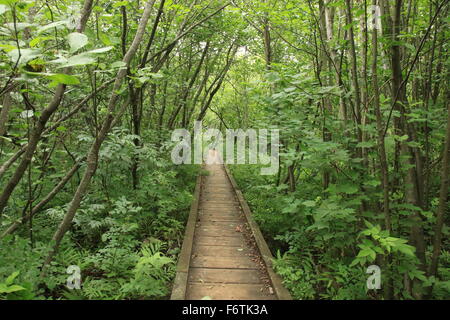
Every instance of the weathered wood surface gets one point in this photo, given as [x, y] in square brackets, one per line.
[223, 256]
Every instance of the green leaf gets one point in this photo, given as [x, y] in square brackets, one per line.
[291, 208]
[156, 75]
[64, 78]
[24, 55]
[413, 144]
[290, 89]
[3, 8]
[7, 47]
[105, 39]
[406, 249]
[9, 289]
[120, 4]
[347, 188]
[100, 50]
[11, 278]
[401, 138]
[368, 224]
[77, 41]
[118, 64]
[373, 183]
[37, 40]
[78, 60]
[52, 25]
[366, 144]
[418, 274]
[365, 252]
[378, 250]
[355, 262]
[309, 203]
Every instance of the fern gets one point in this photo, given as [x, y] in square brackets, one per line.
[152, 274]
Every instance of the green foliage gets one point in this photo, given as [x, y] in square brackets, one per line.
[383, 244]
[323, 213]
[19, 266]
[114, 236]
[152, 274]
[7, 287]
[299, 281]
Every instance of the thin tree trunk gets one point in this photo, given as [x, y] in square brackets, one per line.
[381, 146]
[443, 197]
[4, 114]
[412, 188]
[92, 158]
[44, 201]
[41, 123]
[184, 98]
[5, 166]
[354, 72]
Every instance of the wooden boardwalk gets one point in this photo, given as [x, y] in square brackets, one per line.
[224, 256]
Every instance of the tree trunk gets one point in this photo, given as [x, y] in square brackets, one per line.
[92, 158]
[42, 121]
[443, 197]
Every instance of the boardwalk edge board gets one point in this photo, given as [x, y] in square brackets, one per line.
[281, 292]
[181, 278]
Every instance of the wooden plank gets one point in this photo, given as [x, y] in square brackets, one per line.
[223, 206]
[219, 218]
[224, 225]
[217, 241]
[206, 275]
[214, 232]
[218, 213]
[230, 207]
[223, 251]
[221, 199]
[179, 286]
[180, 282]
[217, 186]
[217, 203]
[219, 209]
[208, 226]
[242, 262]
[222, 196]
[197, 291]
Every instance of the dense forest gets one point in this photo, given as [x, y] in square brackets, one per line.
[91, 91]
